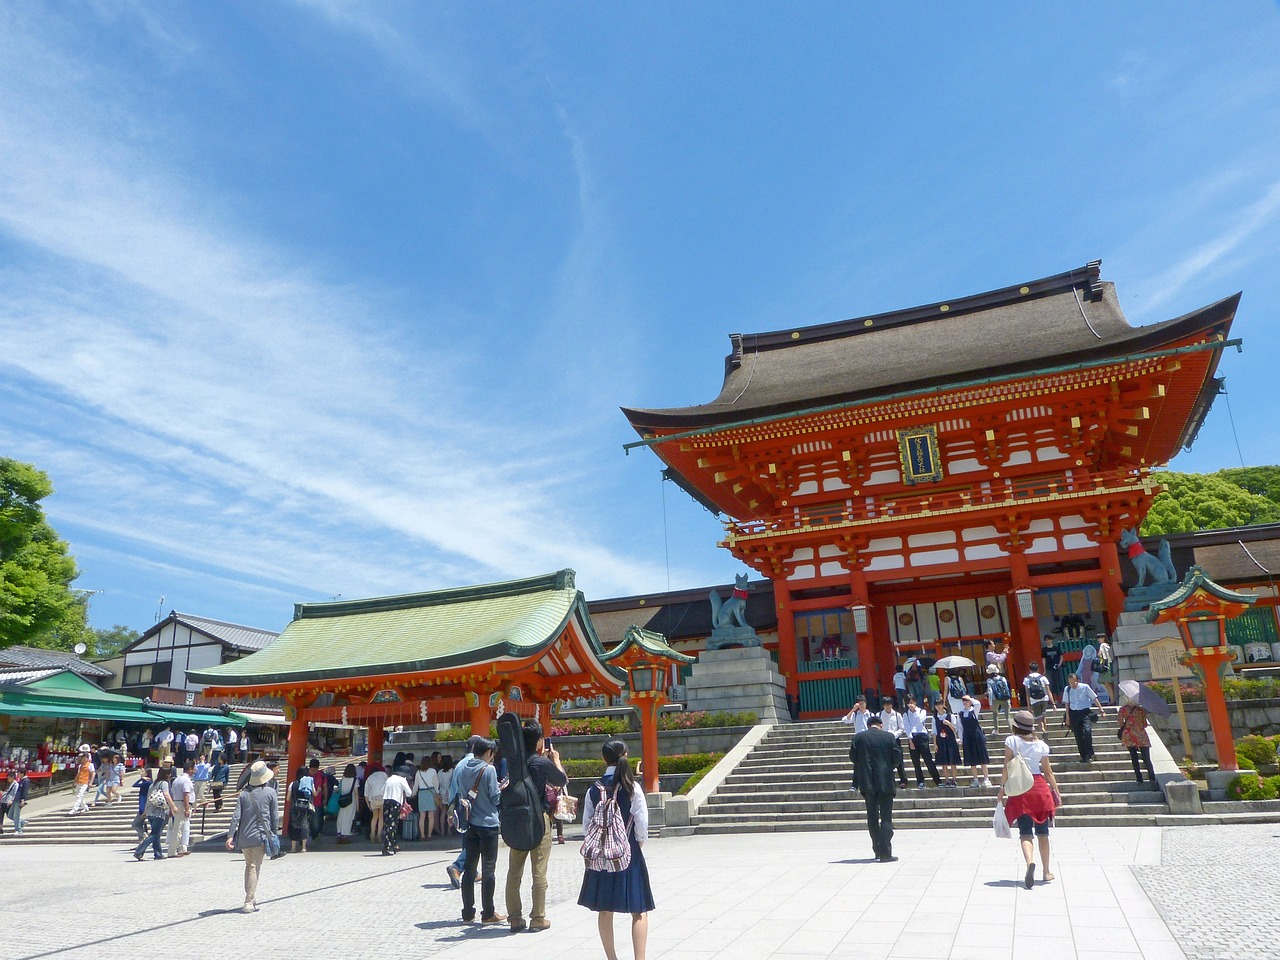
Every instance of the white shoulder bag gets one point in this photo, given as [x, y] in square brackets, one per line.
[1017, 776]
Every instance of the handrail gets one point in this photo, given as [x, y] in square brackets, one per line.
[1003, 492]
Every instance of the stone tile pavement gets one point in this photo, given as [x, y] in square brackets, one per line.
[1216, 887]
[954, 894]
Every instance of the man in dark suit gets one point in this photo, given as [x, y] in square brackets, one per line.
[876, 755]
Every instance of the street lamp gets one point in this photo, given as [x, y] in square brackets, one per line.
[646, 657]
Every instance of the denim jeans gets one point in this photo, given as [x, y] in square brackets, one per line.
[481, 846]
[153, 840]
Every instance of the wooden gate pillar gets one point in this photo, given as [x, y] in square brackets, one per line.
[298, 728]
[377, 740]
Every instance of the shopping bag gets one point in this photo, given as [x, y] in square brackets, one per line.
[1000, 823]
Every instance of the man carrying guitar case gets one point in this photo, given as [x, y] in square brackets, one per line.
[523, 817]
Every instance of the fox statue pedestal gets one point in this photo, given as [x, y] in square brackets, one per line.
[736, 679]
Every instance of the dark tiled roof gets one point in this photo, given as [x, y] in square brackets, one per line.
[37, 658]
[1067, 318]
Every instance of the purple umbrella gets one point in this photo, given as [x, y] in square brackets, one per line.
[1145, 697]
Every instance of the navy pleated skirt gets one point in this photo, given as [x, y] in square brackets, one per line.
[624, 892]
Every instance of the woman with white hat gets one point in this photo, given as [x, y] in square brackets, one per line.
[1033, 810]
[251, 825]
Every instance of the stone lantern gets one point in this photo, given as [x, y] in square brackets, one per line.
[647, 658]
[1201, 608]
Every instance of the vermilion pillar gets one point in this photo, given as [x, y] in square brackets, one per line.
[1112, 592]
[787, 659]
[1026, 631]
[377, 739]
[648, 708]
[481, 715]
[1211, 660]
[298, 728]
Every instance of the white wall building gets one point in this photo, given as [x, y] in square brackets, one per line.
[181, 642]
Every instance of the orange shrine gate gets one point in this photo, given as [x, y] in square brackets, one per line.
[931, 478]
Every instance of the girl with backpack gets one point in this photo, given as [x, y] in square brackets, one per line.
[622, 888]
[999, 696]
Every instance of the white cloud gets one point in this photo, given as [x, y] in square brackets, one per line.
[1244, 224]
[234, 407]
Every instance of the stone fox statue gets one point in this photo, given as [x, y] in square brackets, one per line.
[1150, 569]
[725, 612]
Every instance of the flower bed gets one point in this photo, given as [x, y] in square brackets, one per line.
[1234, 688]
[702, 719]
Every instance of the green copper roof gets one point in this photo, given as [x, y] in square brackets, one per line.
[648, 641]
[1196, 579]
[413, 633]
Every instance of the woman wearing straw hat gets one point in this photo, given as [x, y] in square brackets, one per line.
[252, 823]
[1031, 811]
[1132, 719]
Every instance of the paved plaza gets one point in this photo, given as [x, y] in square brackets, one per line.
[1129, 894]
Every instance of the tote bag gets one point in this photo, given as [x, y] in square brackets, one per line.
[1017, 776]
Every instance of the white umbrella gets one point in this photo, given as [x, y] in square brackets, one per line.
[954, 663]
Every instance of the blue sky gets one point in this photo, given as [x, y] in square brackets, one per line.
[311, 299]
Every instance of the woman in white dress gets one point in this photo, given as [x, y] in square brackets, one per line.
[347, 814]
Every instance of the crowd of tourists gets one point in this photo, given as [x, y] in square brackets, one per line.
[436, 798]
[944, 731]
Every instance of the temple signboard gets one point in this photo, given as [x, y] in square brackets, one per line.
[918, 451]
[1165, 656]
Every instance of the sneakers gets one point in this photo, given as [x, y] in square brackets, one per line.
[920, 785]
[496, 918]
[543, 924]
[455, 876]
[977, 782]
[986, 781]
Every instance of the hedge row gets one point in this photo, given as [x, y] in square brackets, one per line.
[1253, 788]
[678, 763]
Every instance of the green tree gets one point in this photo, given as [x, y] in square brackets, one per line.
[37, 605]
[1211, 501]
[107, 643]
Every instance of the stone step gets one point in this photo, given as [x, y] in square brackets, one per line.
[920, 823]
[771, 760]
[802, 779]
[910, 797]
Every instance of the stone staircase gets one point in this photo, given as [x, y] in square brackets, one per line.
[798, 778]
[111, 823]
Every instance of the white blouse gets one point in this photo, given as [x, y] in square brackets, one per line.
[1032, 751]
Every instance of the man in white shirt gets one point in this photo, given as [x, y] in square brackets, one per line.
[183, 792]
[1079, 699]
[915, 725]
[891, 721]
[858, 716]
[900, 689]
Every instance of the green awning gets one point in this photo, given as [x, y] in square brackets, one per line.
[72, 711]
[68, 696]
[175, 713]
